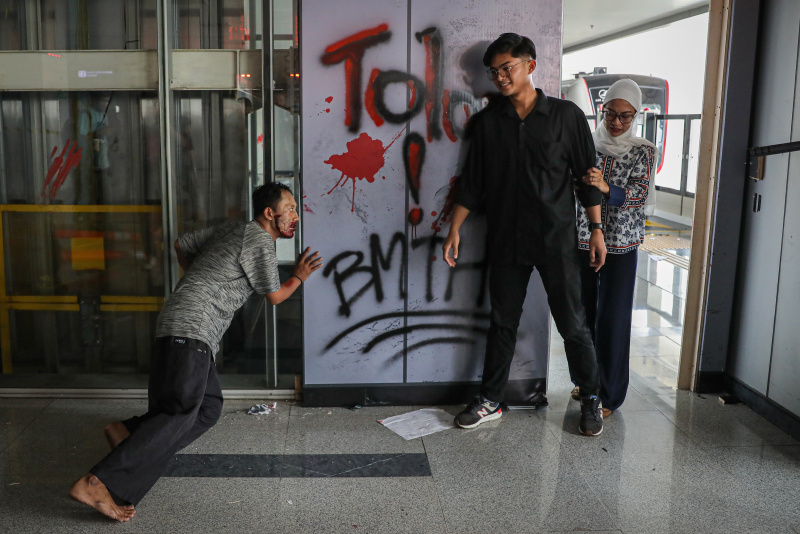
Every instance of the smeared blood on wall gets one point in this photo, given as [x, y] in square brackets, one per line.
[60, 168]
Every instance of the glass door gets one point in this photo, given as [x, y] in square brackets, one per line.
[124, 123]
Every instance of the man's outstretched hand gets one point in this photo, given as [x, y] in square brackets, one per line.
[307, 264]
[451, 244]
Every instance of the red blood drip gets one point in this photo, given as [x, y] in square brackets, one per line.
[433, 214]
[329, 99]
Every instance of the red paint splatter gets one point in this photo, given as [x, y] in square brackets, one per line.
[307, 209]
[449, 204]
[430, 82]
[260, 139]
[357, 37]
[448, 127]
[413, 164]
[328, 110]
[433, 214]
[329, 99]
[349, 65]
[413, 98]
[369, 99]
[415, 216]
[61, 167]
[466, 111]
[363, 159]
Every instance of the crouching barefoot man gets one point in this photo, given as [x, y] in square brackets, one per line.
[228, 264]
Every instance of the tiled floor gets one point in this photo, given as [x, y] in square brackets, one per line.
[667, 462]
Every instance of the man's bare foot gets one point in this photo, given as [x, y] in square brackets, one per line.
[116, 433]
[91, 492]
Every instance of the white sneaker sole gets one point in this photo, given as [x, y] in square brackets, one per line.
[589, 433]
[490, 417]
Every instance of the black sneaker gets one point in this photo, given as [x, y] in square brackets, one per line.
[478, 411]
[591, 416]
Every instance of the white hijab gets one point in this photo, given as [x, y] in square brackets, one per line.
[617, 147]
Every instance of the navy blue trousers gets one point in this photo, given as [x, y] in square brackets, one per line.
[185, 400]
[607, 296]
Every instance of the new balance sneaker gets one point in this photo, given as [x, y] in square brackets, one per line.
[478, 411]
[591, 416]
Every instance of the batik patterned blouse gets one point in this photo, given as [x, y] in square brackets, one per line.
[622, 210]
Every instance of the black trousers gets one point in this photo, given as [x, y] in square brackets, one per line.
[508, 285]
[185, 400]
[608, 298]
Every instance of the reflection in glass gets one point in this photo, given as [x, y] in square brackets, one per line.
[99, 25]
[222, 24]
[84, 254]
[91, 148]
[81, 342]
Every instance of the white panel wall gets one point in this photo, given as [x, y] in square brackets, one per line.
[427, 324]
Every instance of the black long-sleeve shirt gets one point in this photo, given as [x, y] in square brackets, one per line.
[520, 171]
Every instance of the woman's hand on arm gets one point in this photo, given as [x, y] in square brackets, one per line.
[594, 177]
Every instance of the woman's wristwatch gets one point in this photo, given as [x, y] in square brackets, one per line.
[595, 226]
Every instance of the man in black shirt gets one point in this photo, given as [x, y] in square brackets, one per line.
[525, 150]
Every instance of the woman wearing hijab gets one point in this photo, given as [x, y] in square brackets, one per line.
[623, 174]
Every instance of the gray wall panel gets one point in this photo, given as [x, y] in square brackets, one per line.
[757, 279]
[785, 369]
[731, 184]
[360, 215]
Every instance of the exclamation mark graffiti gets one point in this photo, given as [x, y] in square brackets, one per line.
[413, 159]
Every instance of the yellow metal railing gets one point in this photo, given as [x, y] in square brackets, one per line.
[62, 302]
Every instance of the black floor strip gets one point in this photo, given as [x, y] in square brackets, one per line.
[299, 465]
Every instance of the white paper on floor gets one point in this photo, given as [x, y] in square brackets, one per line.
[418, 423]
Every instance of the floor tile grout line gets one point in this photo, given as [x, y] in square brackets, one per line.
[435, 485]
[26, 427]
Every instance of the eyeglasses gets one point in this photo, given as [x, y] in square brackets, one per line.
[624, 118]
[494, 73]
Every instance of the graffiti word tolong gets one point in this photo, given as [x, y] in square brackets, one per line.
[439, 104]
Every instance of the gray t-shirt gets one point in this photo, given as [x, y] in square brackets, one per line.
[230, 262]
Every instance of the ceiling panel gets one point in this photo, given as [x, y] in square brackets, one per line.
[589, 22]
